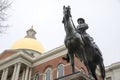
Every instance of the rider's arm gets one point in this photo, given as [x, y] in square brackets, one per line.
[82, 26]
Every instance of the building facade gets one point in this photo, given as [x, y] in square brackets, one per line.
[26, 60]
[113, 71]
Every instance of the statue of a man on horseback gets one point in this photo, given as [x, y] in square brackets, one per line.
[88, 40]
[80, 44]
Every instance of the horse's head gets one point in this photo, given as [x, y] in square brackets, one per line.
[67, 20]
[66, 13]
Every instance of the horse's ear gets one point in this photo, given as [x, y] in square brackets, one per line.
[69, 7]
[64, 7]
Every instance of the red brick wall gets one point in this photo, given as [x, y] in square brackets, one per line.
[6, 54]
[53, 64]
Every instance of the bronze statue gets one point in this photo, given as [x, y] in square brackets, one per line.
[81, 45]
[73, 41]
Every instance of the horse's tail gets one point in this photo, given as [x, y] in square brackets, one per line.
[102, 70]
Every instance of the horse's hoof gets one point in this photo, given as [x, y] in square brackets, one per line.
[64, 58]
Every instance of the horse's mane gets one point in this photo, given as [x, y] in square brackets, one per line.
[73, 24]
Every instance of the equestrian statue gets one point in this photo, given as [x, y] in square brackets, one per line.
[81, 45]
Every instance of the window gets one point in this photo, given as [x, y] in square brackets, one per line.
[36, 76]
[48, 74]
[60, 71]
[108, 78]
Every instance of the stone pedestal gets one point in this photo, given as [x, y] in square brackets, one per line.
[74, 76]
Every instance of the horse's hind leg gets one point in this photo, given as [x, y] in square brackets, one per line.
[102, 69]
[86, 64]
[80, 53]
[93, 69]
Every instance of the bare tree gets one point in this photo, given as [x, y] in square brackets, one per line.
[4, 4]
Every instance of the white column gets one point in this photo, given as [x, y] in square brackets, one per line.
[23, 75]
[17, 72]
[6, 73]
[30, 74]
[26, 73]
[3, 73]
[14, 72]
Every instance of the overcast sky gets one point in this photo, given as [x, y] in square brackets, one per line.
[102, 16]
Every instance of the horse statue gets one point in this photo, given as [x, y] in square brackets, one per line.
[76, 46]
[73, 41]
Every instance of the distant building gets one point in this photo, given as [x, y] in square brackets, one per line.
[113, 71]
[27, 60]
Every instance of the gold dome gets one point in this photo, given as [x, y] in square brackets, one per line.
[29, 42]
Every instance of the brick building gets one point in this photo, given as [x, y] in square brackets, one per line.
[26, 60]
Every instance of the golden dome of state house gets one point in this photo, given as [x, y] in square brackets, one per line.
[26, 60]
[29, 42]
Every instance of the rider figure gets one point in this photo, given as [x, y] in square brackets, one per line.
[81, 28]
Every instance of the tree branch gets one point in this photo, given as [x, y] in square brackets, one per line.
[4, 5]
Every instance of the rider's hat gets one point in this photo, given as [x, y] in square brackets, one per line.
[81, 19]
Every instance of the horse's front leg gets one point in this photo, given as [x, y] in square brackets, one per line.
[66, 57]
[71, 56]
